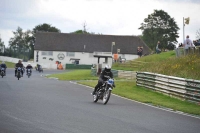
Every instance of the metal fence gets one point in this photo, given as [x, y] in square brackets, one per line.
[94, 72]
[181, 51]
[186, 89]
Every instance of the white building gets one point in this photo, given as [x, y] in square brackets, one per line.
[81, 48]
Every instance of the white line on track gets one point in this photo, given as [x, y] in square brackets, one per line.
[169, 110]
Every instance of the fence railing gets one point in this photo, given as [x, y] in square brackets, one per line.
[94, 72]
[186, 89]
[192, 50]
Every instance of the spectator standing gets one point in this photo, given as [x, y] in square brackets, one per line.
[158, 49]
[187, 44]
[139, 51]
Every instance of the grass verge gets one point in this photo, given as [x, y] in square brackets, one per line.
[9, 64]
[75, 75]
[129, 90]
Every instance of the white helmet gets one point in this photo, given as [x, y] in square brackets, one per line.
[29, 64]
[107, 68]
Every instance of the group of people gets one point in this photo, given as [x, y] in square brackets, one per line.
[17, 65]
[187, 44]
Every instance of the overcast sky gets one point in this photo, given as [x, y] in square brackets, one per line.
[110, 17]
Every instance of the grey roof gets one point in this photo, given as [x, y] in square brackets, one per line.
[49, 41]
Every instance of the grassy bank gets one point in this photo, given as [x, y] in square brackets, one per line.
[165, 63]
[129, 90]
[75, 75]
[9, 64]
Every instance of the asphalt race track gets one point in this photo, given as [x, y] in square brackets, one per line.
[41, 105]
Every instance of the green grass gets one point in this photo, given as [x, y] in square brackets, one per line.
[9, 64]
[165, 63]
[129, 90]
[75, 75]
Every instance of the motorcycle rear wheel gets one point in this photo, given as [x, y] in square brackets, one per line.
[106, 96]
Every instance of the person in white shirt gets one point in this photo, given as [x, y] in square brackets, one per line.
[188, 44]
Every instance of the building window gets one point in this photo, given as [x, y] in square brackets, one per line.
[48, 53]
[71, 54]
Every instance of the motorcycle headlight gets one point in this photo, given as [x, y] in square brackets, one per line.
[110, 81]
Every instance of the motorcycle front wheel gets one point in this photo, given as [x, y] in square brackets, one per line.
[106, 96]
[95, 98]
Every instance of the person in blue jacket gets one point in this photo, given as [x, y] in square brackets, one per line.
[3, 65]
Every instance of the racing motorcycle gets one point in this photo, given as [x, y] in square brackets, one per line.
[2, 72]
[40, 69]
[19, 74]
[28, 72]
[104, 92]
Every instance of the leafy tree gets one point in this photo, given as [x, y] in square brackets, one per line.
[80, 32]
[159, 26]
[1, 46]
[41, 28]
[45, 28]
[84, 31]
[1, 43]
[21, 43]
[198, 34]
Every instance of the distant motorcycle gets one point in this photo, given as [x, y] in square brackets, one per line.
[2, 72]
[104, 92]
[28, 72]
[19, 74]
[40, 69]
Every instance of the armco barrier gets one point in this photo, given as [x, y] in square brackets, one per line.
[77, 66]
[186, 89]
[94, 72]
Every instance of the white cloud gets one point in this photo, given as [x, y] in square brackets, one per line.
[118, 17]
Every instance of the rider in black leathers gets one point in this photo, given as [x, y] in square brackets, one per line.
[103, 77]
[3, 65]
[19, 64]
[28, 67]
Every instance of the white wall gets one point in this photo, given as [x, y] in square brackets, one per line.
[85, 58]
[9, 59]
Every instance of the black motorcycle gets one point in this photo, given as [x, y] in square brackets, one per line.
[39, 68]
[104, 92]
[28, 72]
[19, 74]
[2, 72]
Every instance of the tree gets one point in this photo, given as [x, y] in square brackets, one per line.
[159, 26]
[1, 43]
[198, 34]
[84, 31]
[45, 28]
[41, 28]
[80, 32]
[21, 43]
[1, 46]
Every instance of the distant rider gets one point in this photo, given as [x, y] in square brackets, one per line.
[3, 65]
[19, 64]
[28, 67]
[103, 77]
